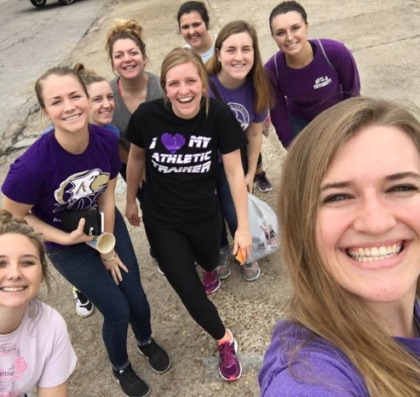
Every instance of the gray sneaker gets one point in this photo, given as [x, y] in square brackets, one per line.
[251, 271]
[223, 270]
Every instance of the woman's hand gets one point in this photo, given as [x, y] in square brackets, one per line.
[114, 265]
[242, 241]
[132, 214]
[78, 236]
[249, 181]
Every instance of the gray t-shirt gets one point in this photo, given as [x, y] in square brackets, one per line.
[122, 115]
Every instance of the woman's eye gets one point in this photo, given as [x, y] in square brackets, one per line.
[403, 188]
[28, 263]
[335, 197]
[2, 263]
[279, 33]
[196, 25]
[97, 100]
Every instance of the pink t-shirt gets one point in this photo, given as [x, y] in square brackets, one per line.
[38, 353]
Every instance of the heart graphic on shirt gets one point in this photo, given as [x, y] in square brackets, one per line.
[172, 142]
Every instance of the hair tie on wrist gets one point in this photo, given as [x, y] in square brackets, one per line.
[110, 259]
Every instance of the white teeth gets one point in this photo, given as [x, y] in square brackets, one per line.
[374, 253]
[185, 100]
[70, 118]
[12, 289]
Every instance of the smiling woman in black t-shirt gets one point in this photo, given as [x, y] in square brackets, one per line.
[177, 140]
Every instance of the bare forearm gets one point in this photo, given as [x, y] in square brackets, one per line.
[49, 232]
[254, 135]
[239, 195]
[135, 170]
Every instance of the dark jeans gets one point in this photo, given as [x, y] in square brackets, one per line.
[176, 251]
[298, 124]
[121, 304]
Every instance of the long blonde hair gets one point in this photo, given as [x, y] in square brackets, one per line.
[318, 302]
[260, 80]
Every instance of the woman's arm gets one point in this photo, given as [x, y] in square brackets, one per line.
[106, 204]
[279, 113]
[50, 233]
[135, 170]
[235, 176]
[57, 391]
[254, 136]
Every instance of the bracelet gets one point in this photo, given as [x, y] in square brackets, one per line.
[110, 259]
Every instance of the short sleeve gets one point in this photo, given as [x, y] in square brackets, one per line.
[62, 360]
[133, 133]
[22, 183]
[230, 134]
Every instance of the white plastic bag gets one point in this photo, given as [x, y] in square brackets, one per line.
[264, 227]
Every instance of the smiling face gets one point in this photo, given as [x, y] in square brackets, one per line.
[66, 103]
[368, 224]
[102, 104]
[194, 30]
[20, 270]
[236, 56]
[184, 89]
[290, 32]
[127, 59]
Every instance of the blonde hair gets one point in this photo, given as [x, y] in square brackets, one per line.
[260, 80]
[179, 56]
[318, 302]
[125, 29]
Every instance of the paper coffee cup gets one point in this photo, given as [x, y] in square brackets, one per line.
[104, 243]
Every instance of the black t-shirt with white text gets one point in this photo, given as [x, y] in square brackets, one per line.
[182, 159]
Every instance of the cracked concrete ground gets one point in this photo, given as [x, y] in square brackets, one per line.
[384, 37]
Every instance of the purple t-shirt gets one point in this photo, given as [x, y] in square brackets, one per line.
[319, 368]
[240, 100]
[53, 179]
[331, 77]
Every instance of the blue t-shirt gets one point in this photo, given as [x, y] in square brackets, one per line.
[319, 368]
[52, 179]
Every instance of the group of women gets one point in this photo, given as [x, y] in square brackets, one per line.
[348, 208]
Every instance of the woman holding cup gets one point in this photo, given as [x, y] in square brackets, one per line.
[74, 167]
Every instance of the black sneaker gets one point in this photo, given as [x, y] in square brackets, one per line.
[84, 307]
[158, 358]
[131, 384]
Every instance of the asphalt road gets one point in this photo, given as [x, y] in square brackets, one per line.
[32, 40]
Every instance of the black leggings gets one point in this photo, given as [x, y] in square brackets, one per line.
[176, 250]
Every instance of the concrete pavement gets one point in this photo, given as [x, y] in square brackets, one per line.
[384, 37]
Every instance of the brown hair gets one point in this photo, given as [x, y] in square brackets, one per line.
[56, 71]
[284, 8]
[318, 302]
[125, 29]
[88, 76]
[11, 225]
[263, 91]
[180, 56]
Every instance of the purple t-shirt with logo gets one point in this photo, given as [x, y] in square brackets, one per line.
[240, 100]
[319, 368]
[52, 179]
[331, 77]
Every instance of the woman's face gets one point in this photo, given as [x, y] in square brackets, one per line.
[102, 104]
[184, 89]
[127, 59]
[236, 56]
[20, 270]
[290, 32]
[66, 103]
[193, 30]
[368, 223]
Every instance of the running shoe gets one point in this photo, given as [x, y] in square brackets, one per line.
[223, 270]
[84, 307]
[158, 358]
[251, 271]
[230, 368]
[211, 281]
[263, 183]
[130, 383]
